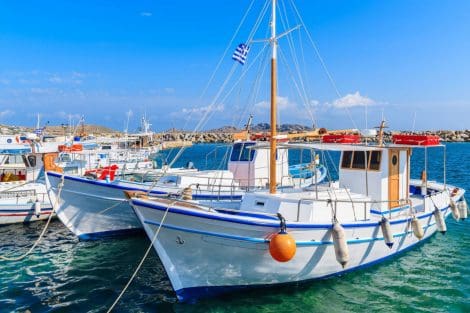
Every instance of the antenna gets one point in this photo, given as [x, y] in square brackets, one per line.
[248, 124]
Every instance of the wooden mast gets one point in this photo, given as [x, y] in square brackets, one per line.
[273, 143]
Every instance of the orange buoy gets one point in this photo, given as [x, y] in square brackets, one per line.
[282, 247]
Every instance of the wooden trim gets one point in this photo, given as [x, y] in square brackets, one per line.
[393, 202]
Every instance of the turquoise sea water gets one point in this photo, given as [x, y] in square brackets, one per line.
[67, 275]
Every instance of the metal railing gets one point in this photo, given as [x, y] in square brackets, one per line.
[402, 203]
[21, 194]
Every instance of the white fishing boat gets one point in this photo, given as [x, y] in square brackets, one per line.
[373, 212]
[22, 198]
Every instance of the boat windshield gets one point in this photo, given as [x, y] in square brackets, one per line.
[241, 152]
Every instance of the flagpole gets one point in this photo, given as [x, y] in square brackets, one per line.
[273, 143]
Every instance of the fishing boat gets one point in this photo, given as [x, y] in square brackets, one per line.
[22, 197]
[373, 212]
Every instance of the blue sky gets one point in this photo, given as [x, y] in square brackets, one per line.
[407, 59]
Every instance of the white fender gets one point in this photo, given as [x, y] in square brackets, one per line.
[417, 228]
[455, 210]
[440, 222]
[386, 232]
[462, 205]
[37, 208]
[340, 245]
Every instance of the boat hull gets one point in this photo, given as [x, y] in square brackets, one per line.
[17, 203]
[23, 213]
[93, 209]
[206, 253]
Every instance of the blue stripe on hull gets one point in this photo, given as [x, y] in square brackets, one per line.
[111, 233]
[194, 293]
[268, 222]
[263, 240]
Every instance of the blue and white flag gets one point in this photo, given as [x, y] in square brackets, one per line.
[39, 131]
[240, 53]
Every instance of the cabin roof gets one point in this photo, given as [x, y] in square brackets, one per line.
[321, 146]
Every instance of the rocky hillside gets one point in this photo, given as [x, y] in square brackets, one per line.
[60, 130]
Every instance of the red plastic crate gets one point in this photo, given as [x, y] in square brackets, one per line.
[416, 140]
[341, 139]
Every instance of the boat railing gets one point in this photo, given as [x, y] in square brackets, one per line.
[403, 204]
[21, 194]
[429, 200]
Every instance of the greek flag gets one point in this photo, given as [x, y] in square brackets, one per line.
[39, 131]
[240, 53]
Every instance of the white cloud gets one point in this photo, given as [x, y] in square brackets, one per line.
[196, 113]
[42, 91]
[199, 112]
[78, 74]
[283, 103]
[352, 100]
[146, 14]
[169, 90]
[55, 79]
[6, 113]
[67, 116]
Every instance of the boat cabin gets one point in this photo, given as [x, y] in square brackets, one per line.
[381, 173]
[250, 165]
[17, 162]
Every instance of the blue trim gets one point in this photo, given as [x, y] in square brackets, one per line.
[193, 293]
[16, 151]
[264, 216]
[24, 210]
[104, 184]
[263, 240]
[234, 219]
[390, 211]
[110, 234]
[153, 192]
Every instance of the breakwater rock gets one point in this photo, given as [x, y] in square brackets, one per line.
[227, 137]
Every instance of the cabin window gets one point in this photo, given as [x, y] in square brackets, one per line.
[347, 157]
[374, 163]
[359, 160]
[242, 152]
[32, 160]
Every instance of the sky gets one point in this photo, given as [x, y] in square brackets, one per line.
[407, 61]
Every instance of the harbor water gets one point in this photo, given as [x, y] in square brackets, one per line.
[67, 275]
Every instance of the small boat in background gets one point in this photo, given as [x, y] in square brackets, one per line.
[22, 198]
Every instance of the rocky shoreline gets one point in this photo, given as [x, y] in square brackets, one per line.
[225, 134]
[227, 137]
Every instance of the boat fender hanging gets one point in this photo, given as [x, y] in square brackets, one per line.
[386, 232]
[282, 245]
[417, 228]
[462, 205]
[340, 245]
[37, 208]
[440, 222]
[454, 209]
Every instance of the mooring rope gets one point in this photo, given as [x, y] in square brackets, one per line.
[18, 258]
[143, 258]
